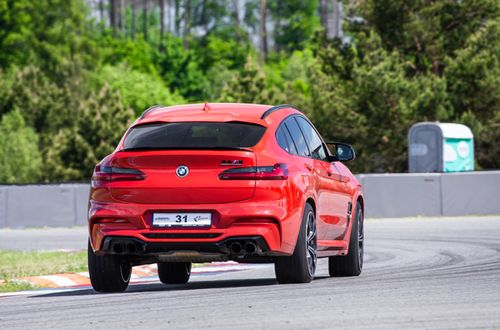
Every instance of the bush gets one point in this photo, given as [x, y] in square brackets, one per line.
[20, 160]
[138, 90]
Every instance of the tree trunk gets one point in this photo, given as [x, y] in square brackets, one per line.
[168, 29]
[263, 29]
[323, 14]
[161, 4]
[112, 15]
[101, 10]
[336, 22]
[236, 16]
[133, 18]
[185, 34]
[145, 19]
[177, 23]
[122, 17]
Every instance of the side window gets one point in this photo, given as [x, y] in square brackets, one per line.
[297, 137]
[282, 139]
[293, 148]
[313, 140]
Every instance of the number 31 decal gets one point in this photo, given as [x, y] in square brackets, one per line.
[181, 218]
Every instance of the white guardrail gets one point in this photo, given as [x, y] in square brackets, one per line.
[386, 195]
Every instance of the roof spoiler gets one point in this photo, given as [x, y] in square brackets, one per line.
[276, 108]
[151, 108]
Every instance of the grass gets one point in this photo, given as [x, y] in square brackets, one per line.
[17, 264]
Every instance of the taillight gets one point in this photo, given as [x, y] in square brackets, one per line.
[276, 172]
[103, 174]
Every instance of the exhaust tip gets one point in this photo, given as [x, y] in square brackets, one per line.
[118, 248]
[131, 248]
[235, 248]
[250, 248]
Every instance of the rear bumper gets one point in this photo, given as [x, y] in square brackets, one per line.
[268, 225]
[235, 248]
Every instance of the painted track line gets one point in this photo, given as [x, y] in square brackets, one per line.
[140, 275]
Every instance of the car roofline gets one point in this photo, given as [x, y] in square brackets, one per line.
[262, 117]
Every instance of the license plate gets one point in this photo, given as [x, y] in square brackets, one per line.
[182, 219]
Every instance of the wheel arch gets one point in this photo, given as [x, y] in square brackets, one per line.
[311, 201]
[361, 202]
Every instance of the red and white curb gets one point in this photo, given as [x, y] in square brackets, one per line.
[140, 274]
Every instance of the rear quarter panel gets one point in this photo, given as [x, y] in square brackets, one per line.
[291, 194]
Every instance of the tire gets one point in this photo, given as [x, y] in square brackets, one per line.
[174, 272]
[108, 273]
[352, 263]
[301, 265]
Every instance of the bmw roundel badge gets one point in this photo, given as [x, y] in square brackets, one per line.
[182, 171]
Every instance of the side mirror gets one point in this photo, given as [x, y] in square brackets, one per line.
[343, 152]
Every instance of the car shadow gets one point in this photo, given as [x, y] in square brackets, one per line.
[153, 287]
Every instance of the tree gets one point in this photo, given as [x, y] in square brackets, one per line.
[249, 86]
[137, 90]
[112, 15]
[473, 78]
[187, 24]
[43, 104]
[145, 19]
[428, 32]
[294, 23]
[161, 5]
[20, 159]
[133, 19]
[98, 126]
[263, 28]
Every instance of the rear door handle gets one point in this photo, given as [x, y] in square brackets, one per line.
[309, 167]
[329, 173]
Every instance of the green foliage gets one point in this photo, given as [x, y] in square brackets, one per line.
[43, 105]
[136, 54]
[138, 90]
[295, 22]
[180, 70]
[98, 126]
[426, 33]
[20, 159]
[474, 85]
[47, 33]
[249, 86]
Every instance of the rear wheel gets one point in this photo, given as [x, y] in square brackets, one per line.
[108, 273]
[174, 272]
[301, 265]
[352, 263]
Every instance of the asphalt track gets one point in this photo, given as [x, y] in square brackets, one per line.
[419, 273]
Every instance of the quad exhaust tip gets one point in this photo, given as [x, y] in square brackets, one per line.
[118, 248]
[131, 248]
[124, 247]
[243, 248]
[235, 248]
[250, 247]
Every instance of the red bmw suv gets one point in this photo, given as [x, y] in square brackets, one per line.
[216, 182]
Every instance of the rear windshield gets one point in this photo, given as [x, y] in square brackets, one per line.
[193, 135]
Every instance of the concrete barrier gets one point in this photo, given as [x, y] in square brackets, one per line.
[463, 193]
[62, 205]
[386, 195]
[401, 195]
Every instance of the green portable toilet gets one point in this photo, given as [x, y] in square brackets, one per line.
[440, 147]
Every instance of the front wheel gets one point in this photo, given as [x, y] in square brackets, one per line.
[301, 265]
[108, 273]
[174, 272]
[352, 263]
